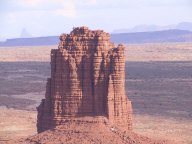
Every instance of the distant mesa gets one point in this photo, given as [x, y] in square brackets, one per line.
[184, 26]
[164, 36]
[152, 28]
[25, 34]
[87, 79]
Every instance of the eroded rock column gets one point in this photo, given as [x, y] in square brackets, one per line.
[87, 79]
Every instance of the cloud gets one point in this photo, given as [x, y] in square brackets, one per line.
[65, 8]
[30, 3]
[68, 10]
[90, 2]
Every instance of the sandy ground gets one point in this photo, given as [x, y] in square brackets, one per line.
[160, 91]
[16, 124]
[27, 53]
[134, 52]
[20, 124]
[177, 130]
[159, 52]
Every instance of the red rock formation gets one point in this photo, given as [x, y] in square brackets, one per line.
[87, 79]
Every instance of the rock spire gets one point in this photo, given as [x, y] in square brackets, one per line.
[87, 79]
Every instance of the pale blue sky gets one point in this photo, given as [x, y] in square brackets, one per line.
[53, 17]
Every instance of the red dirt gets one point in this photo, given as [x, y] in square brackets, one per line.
[88, 130]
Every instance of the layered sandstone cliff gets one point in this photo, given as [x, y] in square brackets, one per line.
[87, 79]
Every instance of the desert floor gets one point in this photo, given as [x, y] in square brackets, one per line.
[17, 124]
[133, 52]
[159, 85]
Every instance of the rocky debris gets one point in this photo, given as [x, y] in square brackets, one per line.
[87, 130]
[87, 79]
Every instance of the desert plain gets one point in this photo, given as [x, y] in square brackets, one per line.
[158, 82]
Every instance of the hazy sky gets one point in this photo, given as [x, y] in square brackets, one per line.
[52, 17]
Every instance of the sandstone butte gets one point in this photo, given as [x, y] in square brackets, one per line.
[85, 100]
[87, 79]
